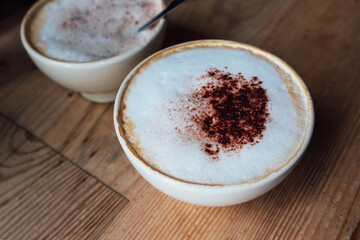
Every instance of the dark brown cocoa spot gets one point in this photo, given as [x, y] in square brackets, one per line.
[235, 113]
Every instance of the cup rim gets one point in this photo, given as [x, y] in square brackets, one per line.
[32, 50]
[257, 182]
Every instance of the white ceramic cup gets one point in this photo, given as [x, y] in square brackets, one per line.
[97, 81]
[205, 194]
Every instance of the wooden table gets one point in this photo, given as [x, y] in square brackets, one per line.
[63, 174]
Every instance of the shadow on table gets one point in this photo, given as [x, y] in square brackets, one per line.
[176, 34]
[11, 12]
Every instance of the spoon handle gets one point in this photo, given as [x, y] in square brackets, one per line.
[163, 13]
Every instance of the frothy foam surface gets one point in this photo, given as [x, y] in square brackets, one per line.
[88, 30]
[185, 114]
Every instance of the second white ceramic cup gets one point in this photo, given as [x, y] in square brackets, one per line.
[97, 81]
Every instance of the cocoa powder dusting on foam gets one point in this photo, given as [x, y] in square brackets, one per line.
[88, 30]
[227, 112]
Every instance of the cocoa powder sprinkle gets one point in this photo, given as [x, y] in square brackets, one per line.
[229, 111]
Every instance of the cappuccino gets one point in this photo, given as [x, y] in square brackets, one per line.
[214, 112]
[90, 30]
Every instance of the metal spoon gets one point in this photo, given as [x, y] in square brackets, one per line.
[163, 13]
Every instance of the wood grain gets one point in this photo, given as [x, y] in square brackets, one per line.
[44, 196]
[319, 200]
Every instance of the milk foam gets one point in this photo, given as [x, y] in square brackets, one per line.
[150, 124]
[87, 30]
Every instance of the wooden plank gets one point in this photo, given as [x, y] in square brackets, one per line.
[44, 196]
[320, 200]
